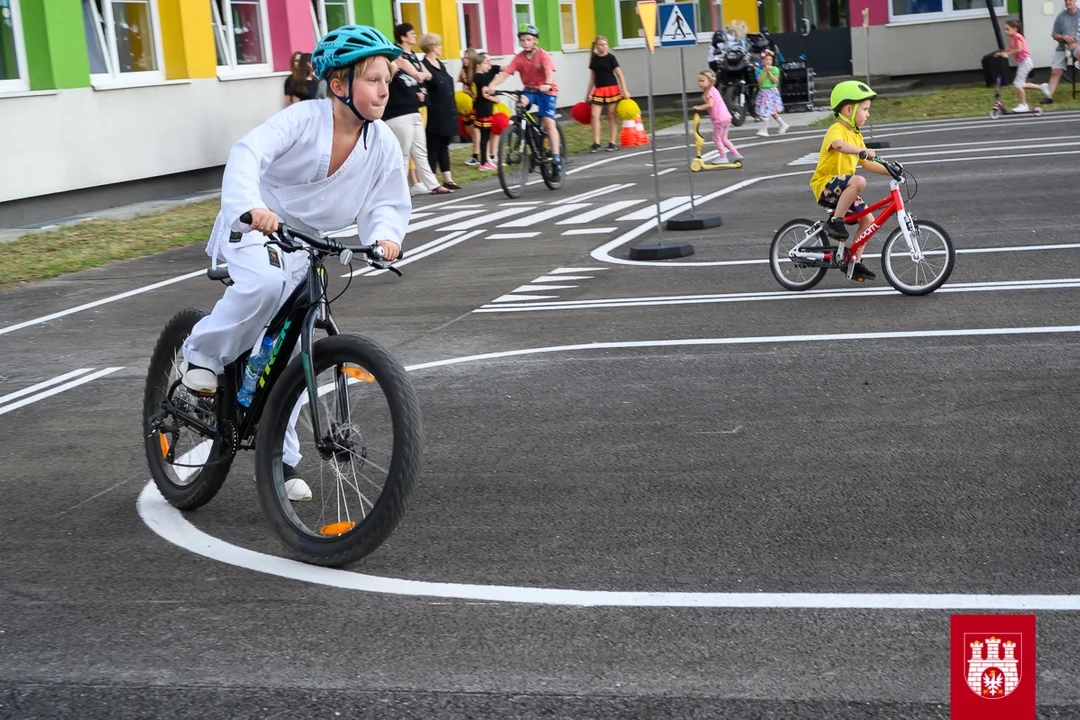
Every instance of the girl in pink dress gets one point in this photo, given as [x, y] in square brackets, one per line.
[718, 113]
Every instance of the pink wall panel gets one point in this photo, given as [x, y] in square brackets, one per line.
[498, 25]
[879, 12]
[290, 29]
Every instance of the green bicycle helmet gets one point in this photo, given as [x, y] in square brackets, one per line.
[347, 45]
[528, 29]
[850, 91]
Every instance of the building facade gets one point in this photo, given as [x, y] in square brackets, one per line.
[96, 92]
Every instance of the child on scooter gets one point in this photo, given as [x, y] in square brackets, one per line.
[718, 113]
[1024, 64]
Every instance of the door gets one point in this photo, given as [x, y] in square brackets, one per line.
[818, 29]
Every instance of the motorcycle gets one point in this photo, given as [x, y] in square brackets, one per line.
[736, 64]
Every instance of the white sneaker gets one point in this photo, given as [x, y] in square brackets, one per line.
[763, 132]
[1022, 107]
[295, 487]
[784, 128]
[199, 380]
[1045, 87]
[418, 189]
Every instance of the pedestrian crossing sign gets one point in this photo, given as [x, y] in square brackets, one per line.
[677, 21]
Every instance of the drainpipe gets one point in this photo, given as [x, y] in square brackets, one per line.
[997, 26]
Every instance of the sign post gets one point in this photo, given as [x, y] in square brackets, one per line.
[677, 20]
[647, 14]
[872, 143]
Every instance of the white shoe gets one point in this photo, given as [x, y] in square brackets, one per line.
[763, 132]
[418, 189]
[199, 380]
[784, 128]
[1022, 107]
[1045, 87]
[295, 488]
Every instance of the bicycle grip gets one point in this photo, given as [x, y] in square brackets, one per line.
[246, 218]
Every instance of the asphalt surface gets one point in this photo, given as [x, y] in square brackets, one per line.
[852, 442]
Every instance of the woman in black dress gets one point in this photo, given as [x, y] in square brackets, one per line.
[442, 110]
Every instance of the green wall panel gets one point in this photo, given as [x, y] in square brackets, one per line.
[55, 44]
[546, 13]
[377, 13]
[606, 24]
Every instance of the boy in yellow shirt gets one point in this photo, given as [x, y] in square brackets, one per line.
[835, 183]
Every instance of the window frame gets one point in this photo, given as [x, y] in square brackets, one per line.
[575, 44]
[318, 16]
[945, 14]
[532, 19]
[423, 14]
[479, 4]
[224, 23]
[106, 36]
[21, 81]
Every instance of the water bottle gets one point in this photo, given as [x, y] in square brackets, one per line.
[254, 368]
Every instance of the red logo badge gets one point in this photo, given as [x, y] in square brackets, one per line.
[992, 667]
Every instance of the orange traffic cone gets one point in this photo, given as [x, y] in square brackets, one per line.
[628, 137]
[643, 138]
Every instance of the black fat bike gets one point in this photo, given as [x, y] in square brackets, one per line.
[358, 427]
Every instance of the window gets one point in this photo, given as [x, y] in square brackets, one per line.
[122, 38]
[471, 24]
[412, 12]
[13, 75]
[901, 10]
[568, 24]
[523, 15]
[327, 15]
[240, 36]
[629, 24]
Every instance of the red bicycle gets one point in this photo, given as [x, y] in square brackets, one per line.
[917, 257]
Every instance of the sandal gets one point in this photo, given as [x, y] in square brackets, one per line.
[441, 191]
[451, 185]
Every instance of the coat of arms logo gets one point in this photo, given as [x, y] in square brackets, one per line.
[993, 664]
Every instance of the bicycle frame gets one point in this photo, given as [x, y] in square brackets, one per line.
[305, 310]
[889, 206]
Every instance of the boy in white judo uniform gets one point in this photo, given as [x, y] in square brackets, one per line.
[319, 166]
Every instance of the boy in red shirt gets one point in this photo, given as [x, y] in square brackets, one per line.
[537, 71]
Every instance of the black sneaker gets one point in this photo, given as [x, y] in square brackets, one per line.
[595, 148]
[860, 273]
[612, 147]
[556, 170]
[835, 228]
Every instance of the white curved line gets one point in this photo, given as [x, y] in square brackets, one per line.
[169, 524]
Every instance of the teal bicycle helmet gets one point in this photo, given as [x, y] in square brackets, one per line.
[345, 47]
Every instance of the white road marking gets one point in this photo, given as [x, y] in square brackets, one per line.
[541, 288]
[560, 278]
[168, 523]
[512, 297]
[1055, 284]
[368, 270]
[485, 219]
[665, 204]
[448, 217]
[610, 208]
[595, 193]
[664, 172]
[512, 236]
[103, 301]
[57, 390]
[570, 270]
[591, 231]
[413, 257]
[42, 385]
[522, 203]
[541, 217]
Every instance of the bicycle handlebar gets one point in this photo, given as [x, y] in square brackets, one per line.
[285, 234]
[896, 170]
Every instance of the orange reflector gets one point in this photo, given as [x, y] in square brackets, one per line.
[358, 373]
[164, 445]
[338, 528]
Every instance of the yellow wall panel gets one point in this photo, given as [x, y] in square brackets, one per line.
[744, 10]
[187, 39]
[586, 22]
